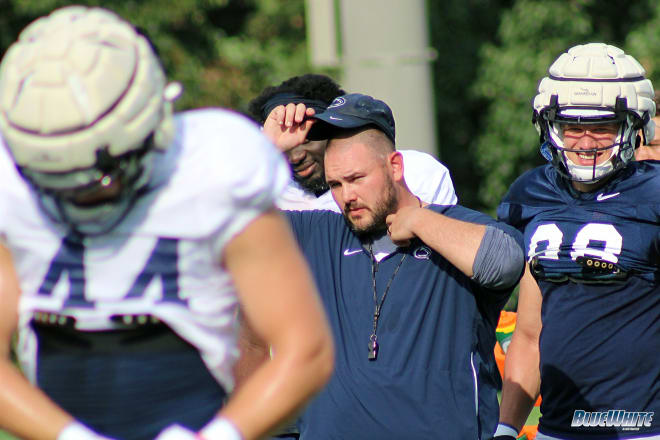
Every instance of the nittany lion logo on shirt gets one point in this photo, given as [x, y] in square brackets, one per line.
[338, 102]
[422, 253]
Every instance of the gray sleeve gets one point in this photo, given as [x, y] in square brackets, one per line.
[499, 260]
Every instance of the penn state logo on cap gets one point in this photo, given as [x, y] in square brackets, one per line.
[338, 102]
[351, 111]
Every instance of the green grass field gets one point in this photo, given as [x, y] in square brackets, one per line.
[534, 416]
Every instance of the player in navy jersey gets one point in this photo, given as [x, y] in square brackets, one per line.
[128, 236]
[588, 329]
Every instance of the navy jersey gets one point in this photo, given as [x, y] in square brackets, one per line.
[595, 257]
[435, 371]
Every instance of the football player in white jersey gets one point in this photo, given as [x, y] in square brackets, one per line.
[128, 235]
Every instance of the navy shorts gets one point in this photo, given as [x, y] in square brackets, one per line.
[127, 384]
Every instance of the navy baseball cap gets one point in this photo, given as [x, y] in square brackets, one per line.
[353, 111]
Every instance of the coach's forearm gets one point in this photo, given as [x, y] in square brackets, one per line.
[456, 240]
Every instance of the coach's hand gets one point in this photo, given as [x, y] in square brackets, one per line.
[401, 225]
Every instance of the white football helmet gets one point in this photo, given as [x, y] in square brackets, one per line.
[594, 83]
[84, 106]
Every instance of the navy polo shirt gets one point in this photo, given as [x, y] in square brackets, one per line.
[435, 375]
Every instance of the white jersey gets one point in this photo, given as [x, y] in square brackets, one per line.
[427, 178]
[164, 258]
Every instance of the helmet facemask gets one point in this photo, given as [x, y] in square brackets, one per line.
[590, 85]
[553, 121]
[93, 200]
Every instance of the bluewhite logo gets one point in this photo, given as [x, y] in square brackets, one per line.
[626, 420]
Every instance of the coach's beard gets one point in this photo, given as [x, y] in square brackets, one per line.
[382, 208]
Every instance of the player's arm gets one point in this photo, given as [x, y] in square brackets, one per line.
[522, 377]
[254, 351]
[279, 299]
[26, 411]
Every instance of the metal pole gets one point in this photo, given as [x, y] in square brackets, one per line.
[384, 53]
[322, 32]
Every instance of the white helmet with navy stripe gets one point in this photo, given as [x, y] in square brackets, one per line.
[84, 103]
[594, 83]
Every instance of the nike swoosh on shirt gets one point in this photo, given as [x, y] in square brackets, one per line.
[601, 197]
[335, 119]
[348, 252]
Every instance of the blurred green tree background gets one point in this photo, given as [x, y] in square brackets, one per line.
[530, 35]
[490, 56]
[224, 52]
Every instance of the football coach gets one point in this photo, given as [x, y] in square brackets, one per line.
[412, 291]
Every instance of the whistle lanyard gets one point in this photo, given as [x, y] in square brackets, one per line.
[373, 339]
